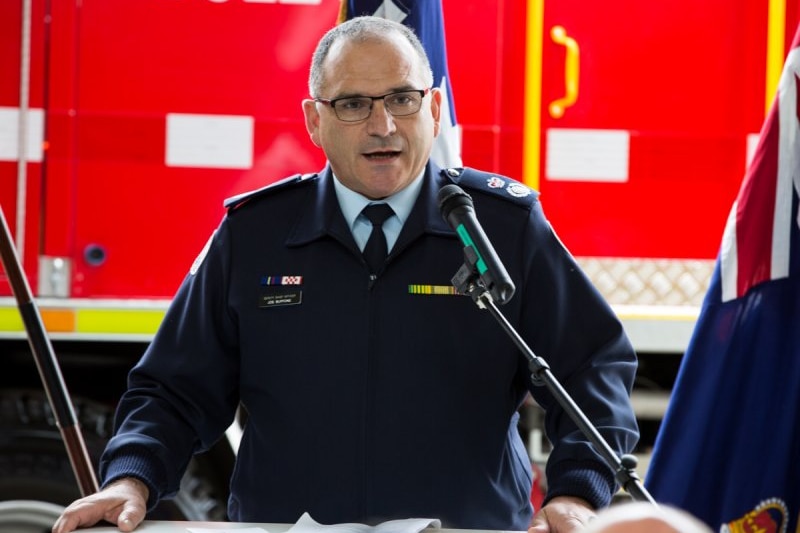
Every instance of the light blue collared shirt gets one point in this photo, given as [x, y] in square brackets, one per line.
[352, 203]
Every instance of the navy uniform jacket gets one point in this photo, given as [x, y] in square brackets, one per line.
[369, 401]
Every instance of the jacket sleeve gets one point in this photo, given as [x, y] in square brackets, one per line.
[568, 324]
[182, 395]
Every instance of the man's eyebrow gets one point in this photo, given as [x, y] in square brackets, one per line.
[391, 90]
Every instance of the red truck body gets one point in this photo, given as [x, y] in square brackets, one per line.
[125, 123]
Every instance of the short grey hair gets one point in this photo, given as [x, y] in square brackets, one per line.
[362, 29]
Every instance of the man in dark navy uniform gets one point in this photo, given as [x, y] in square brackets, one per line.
[374, 390]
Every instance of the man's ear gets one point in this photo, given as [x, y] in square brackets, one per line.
[311, 115]
[436, 110]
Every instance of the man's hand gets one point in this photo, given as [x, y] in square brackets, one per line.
[123, 502]
[562, 514]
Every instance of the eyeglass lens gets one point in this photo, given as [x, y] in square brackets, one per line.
[397, 104]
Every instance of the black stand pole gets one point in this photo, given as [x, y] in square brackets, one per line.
[467, 282]
[47, 365]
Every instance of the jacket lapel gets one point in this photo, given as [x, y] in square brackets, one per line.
[425, 217]
[322, 217]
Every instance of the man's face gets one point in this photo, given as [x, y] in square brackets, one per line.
[382, 154]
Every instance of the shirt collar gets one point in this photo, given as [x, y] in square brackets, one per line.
[401, 202]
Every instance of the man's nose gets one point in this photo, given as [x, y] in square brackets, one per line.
[380, 122]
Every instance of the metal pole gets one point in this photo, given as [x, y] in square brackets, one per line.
[47, 365]
[23, 121]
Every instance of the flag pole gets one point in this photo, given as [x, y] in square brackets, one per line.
[47, 364]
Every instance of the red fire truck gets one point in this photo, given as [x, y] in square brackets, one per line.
[125, 123]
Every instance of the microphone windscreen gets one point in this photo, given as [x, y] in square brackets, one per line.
[452, 196]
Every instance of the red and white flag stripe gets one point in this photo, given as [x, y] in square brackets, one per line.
[755, 244]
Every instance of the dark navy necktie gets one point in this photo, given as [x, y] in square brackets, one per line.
[376, 249]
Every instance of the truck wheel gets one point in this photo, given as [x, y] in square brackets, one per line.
[36, 478]
[26, 516]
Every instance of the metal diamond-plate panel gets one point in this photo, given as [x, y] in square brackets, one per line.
[671, 282]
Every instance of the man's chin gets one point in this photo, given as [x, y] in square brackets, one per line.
[381, 184]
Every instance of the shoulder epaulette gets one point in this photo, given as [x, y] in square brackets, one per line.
[473, 180]
[234, 202]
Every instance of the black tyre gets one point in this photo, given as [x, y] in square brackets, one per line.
[37, 481]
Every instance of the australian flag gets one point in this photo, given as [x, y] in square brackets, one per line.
[426, 19]
[729, 447]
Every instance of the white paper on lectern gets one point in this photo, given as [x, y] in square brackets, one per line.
[245, 530]
[306, 524]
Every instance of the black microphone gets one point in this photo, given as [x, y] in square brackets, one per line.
[457, 209]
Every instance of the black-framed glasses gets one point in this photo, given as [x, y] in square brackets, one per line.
[356, 108]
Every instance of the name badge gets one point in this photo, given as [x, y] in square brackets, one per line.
[279, 296]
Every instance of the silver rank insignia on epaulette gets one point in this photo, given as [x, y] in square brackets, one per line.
[518, 190]
[495, 183]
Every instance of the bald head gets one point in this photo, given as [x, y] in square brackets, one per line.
[643, 517]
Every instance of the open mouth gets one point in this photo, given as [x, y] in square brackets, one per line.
[381, 156]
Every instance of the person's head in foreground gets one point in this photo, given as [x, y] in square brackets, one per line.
[642, 517]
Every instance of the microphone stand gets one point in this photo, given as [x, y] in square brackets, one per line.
[47, 364]
[467, 281]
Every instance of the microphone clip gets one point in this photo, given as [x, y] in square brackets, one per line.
[468, 281]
